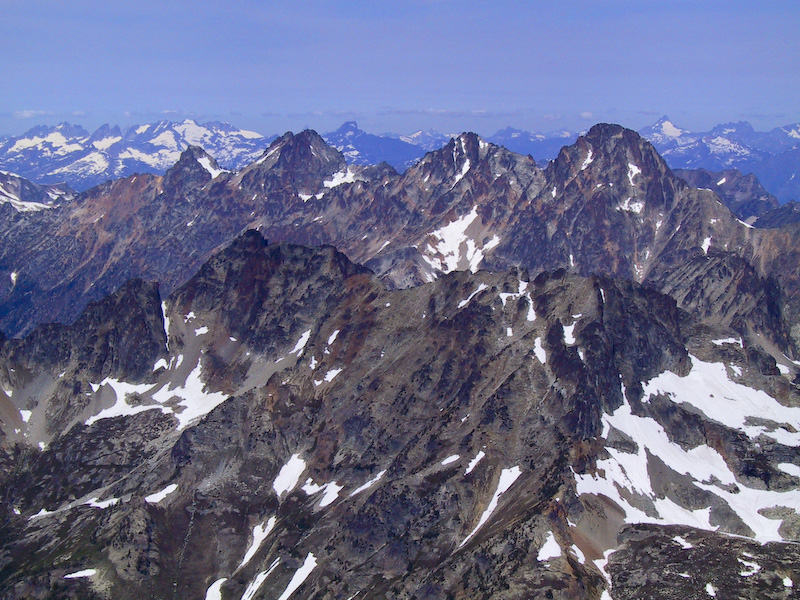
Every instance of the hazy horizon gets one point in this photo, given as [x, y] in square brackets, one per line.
[401, 66]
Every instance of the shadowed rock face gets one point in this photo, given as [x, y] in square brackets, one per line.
[284, 416]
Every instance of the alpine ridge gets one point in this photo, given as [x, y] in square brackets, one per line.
[607, 205]
[477, 378]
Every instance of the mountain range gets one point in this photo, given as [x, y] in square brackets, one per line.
[69, 154]
[773, 156]
[477, 378]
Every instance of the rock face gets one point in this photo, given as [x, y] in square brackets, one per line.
[285, 422]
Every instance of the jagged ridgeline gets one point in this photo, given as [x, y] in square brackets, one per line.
[498, 381]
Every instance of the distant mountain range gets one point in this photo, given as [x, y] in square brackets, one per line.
[772, 156]
[68, 153]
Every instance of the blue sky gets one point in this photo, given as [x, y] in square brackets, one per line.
[400, 66]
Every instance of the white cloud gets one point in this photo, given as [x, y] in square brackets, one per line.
[30, 114]
[587, 115]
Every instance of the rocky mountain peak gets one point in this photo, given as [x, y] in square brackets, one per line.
[458, 156]
[667, 127]
[105, 131]
[738, 128]
[349, 128]
[612, 156]
[303, 154]
[362, 148]
[194, 167]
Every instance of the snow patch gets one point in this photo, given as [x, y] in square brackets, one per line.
[629, 471]
[790, 468]
[668, 129]
[450, 459]
[709, 390]
[474, 462]
[289, 475]
[346, 176]
[301, 343]
[121, 408]
[159, 496]
[633, 207]
[214, 591]
[330, 491]
[751, 568]
[252, 589]
[329, 376]
[539, 350]
[633, 171]
[102, 504]
[481, 287]
[578, 554]
[550, 549]
[588, 160]
[569, 334]
[683, 543]
[195, 402]
[453, 247]
[81, 574]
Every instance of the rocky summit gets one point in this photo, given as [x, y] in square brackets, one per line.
[475, 379]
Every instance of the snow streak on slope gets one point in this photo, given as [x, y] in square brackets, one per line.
[260, 533]
[300, 576]
[507, 478]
